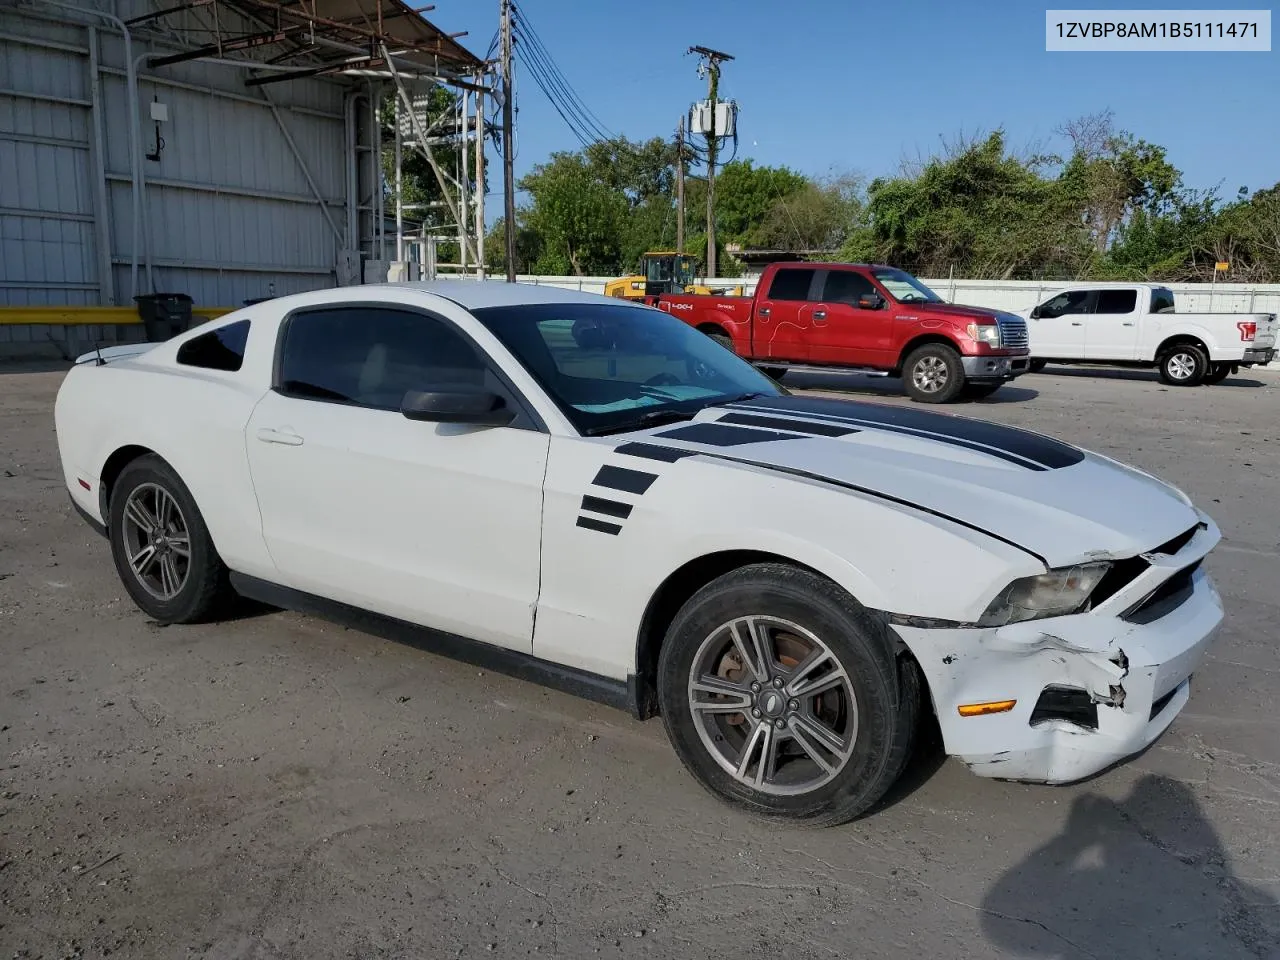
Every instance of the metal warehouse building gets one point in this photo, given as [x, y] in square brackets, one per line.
[224, 149]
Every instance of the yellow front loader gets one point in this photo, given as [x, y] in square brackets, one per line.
[664, 271]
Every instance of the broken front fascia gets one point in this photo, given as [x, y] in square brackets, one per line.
[1126, 669]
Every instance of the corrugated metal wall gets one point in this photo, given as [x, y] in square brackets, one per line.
[230, 210]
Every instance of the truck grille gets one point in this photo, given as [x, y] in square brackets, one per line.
[1013, 332]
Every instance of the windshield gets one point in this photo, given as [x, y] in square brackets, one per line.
[614, 368]
[905, 288]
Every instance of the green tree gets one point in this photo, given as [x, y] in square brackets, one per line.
[578, 218]
[817, 216]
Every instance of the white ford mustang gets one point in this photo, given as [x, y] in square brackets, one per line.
[592, 494]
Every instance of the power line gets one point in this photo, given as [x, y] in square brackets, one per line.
[588, 120]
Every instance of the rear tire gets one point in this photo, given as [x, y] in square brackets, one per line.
[1217, 373]
[1184, 365]
[824, 758]
[933, 374]
[161, 547]
[774, 373]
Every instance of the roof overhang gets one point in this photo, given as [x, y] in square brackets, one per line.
[295, 39]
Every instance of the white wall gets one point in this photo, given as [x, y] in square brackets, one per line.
[1016, 294]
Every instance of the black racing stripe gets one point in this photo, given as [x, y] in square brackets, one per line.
[948, 438]
[590, 523]
[719, 435]
[650, 451]
[613, 508]
[1049, 453]
[811, 427]
[620, 478]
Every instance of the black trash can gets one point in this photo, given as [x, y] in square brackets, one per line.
[164, 315]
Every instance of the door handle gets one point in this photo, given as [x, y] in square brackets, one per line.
[819, 314]
[763, 311]
[1128, 324]
[1076, 324]
[286, 437]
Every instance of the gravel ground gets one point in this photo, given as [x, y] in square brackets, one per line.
[278, 787]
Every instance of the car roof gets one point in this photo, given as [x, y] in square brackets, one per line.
[477, 294]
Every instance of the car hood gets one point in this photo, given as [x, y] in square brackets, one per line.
[957, 311]
[1054, 500]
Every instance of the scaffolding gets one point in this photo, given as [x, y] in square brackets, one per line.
[386, 53]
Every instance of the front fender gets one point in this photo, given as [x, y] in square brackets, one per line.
[598, 583]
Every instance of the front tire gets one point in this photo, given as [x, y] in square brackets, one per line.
[933, 374]
[783, 696]
[773, 373]
[1184, 365]
[1037, 365]
[161, 547]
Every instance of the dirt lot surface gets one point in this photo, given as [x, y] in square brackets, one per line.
[277, 787]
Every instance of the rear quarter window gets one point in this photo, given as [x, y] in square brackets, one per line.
[220, 349]
[791, 284]
[1162, 300]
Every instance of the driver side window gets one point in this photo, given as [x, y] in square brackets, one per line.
[370, 356]
[845, 286]
[1068, 302]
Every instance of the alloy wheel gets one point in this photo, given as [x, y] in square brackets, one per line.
[773, 705]
[930, 374]
[157, 541]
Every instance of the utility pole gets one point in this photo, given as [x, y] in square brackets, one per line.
[508, 153]
[711, 61]
[480, 182]
[680, 187]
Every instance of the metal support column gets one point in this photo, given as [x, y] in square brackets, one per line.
[97, 163]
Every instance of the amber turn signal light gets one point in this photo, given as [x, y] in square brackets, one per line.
[981, 709]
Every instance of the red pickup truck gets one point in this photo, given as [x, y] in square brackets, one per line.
[872, 318]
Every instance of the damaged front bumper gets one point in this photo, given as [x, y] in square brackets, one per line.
[1091, 689]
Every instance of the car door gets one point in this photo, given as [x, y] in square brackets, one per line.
[842, 331]
[435, 523]
[783, 315]
[1058, 326]
[1112, 331]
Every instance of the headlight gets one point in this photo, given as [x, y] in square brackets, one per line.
[1053, 594]
[988, 333]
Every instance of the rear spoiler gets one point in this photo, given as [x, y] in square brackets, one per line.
[104, 355]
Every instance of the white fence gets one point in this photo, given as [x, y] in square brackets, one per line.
[1017, 294]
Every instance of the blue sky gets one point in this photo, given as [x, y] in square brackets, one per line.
[833, 85]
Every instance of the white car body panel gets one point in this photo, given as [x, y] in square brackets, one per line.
[1137, 336]
[554, 545]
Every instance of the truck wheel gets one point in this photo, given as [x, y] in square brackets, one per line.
[1037, 365]
[775, 373]
[1218, 373]
[724, 340]
[933, 374]
[783, 696]
[1184, 365]
[977, 391]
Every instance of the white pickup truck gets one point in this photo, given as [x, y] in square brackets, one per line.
[1135, 324]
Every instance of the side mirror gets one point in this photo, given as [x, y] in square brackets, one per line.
[457, 404]
[1035, 313]
[870, 301]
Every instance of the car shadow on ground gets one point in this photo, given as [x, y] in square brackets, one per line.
[854, 386]
[1147, 376]
[1144, 876]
